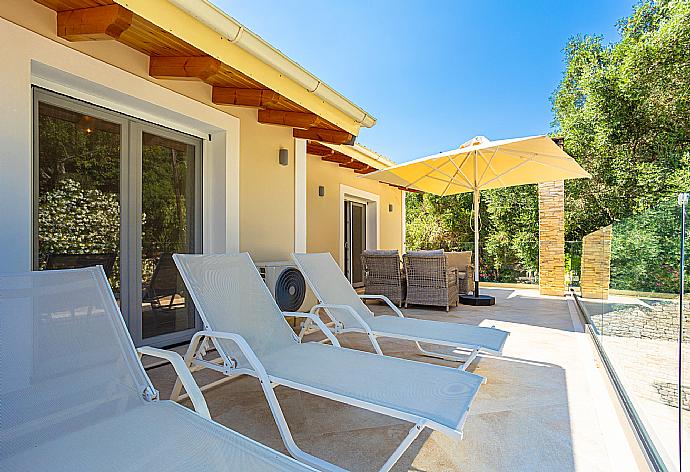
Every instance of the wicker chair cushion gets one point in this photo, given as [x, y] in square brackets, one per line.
[426, 253]
[380, 252]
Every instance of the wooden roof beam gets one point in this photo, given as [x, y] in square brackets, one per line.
[338, 158]
[288, 118]
[200, 67]
[319, 149]
[93, 24]
[248, 97]
[368, 170]
[356, 165]
[404, 189]
[326, 135]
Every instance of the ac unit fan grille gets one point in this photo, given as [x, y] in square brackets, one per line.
[290, 289]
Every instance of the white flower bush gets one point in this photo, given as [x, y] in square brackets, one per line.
[72, 219]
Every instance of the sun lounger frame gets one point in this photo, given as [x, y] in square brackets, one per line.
[337, 326]
[225, 364]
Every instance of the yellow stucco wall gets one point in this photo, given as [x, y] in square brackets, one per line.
[267, 189]
[324, 213]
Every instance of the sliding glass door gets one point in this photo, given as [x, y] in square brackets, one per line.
[355, 240]
[114, 191]
[169, 225]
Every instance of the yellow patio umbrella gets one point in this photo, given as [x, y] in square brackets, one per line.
[481, 164]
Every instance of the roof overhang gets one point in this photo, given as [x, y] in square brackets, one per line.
[362, 154]
[194, 39]
[360, 159]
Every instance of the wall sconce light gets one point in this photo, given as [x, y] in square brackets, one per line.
[283, 157]
[390, 207]
[322, 190]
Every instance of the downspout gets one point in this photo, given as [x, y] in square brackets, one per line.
[229, 28]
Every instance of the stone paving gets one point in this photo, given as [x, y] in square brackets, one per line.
[546, 405]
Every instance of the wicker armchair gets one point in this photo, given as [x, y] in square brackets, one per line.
[429, 279]
[462, 261]
[382, 275]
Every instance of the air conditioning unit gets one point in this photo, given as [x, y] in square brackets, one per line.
[286, 283]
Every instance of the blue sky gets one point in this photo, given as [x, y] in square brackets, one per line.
[434, 73]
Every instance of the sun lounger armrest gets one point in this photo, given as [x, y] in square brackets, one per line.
[184, 375]
[390, 304]
[317, 320]
[242, 343]
[347, 308]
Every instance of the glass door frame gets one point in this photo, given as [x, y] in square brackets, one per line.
[136, 131]
[131, 146]
[348, 237]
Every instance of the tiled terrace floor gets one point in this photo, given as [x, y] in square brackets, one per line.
[546, 405]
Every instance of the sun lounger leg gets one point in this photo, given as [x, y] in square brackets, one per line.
[286, 435]
[375, 343]
[267, 387]
[306, 324]
[466, 361]
[469, 360]
[188, 358]
[404, 445]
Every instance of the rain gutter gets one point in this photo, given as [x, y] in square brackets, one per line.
[237, 34]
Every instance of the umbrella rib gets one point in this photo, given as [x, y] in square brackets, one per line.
[488, 164]
[410, 184]
[537, 154]
[459, 169]
[452, 180]
[534, 154]
[437, 169]
[498, 177]
[555, 166]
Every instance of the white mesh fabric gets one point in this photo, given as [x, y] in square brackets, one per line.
[330, 286]
[159, 436]
[71, 390]
[439, 394]
[231, 297]
[66, 360]
[455, 334]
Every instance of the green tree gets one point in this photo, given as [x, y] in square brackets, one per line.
[624, 111]
[645, 250]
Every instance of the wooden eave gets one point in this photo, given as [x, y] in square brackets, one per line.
[330, 155]
[172, 58]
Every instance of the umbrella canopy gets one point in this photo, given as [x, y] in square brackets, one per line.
[481, 164]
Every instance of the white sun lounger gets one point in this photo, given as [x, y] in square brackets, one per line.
[348, 313]
[74, 397]
[251, 336]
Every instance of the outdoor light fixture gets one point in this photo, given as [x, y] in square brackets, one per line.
[322, 190]
[390, 207]
[86, 124]
[283, 157]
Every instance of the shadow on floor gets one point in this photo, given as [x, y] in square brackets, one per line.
[512, 305]
[519, 421]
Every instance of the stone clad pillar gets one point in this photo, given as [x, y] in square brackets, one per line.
[595, 274]
[551, 238]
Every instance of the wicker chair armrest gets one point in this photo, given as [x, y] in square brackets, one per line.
[452, 276]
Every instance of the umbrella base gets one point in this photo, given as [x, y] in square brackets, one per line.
[481, 300]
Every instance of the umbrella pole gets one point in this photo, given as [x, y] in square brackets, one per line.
[476, 242]
[476, 299]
